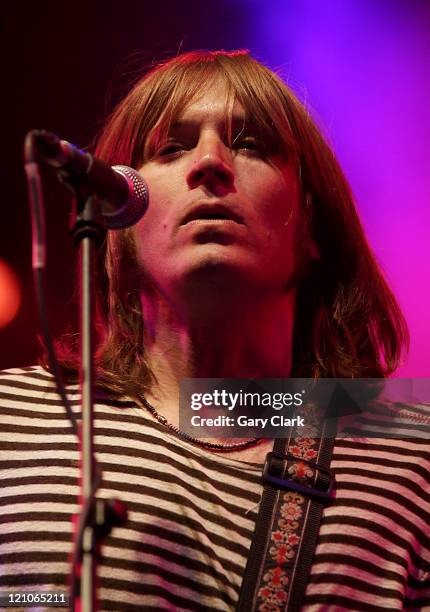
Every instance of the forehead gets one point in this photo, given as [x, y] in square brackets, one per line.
[216, 108]
[216, 102]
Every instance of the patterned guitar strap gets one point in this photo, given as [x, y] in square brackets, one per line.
[297, 484]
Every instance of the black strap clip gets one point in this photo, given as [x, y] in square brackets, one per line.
[322, 478]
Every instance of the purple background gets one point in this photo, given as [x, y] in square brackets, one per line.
[361, 66]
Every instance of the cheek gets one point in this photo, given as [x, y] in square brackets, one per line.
[167, 194]
[272, 192]
[278, 206]
[151, 238]
[153, 233]
[154, 223]
[274, 196]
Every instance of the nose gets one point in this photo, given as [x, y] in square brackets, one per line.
[211, 164]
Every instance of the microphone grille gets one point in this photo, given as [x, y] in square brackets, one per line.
[137, 202]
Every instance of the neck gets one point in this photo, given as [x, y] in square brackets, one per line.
[249, 338]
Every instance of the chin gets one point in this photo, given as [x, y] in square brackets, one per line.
[211, 267]
[221, 280]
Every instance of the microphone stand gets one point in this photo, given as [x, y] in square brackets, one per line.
[97, 516]
[86, 232]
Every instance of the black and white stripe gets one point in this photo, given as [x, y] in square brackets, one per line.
[192, 512]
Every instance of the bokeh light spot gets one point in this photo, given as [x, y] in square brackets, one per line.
[10, 294]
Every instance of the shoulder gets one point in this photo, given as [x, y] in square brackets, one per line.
[28, 381]
[414, 416]
[28, 373]
[392, 427]
[29, 393]
[35, 388]
[25, 382]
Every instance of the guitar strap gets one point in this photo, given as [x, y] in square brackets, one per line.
[297, 483]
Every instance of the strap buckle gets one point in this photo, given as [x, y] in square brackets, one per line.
[321, 477]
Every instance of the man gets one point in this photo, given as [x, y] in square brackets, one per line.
[250, 262]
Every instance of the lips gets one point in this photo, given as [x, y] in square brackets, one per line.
[211, 212]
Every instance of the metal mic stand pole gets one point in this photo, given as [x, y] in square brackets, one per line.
[97, 516]
[86, 232]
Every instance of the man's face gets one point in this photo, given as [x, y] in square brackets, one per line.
[218, 212]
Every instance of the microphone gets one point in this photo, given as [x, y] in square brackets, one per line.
[122, 191]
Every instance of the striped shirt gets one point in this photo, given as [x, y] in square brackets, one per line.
[192, 511]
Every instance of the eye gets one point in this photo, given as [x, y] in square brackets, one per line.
[248, 144]
[170, 149]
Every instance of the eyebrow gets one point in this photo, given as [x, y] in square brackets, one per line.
[237, 121]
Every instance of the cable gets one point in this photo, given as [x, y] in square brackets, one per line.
[39, 276]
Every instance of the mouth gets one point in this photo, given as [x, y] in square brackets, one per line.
[217, 213]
